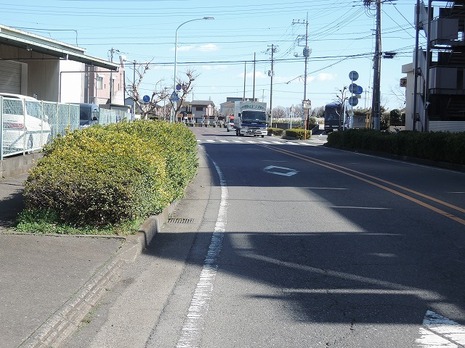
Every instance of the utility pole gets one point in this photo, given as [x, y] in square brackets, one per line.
[133, 116]
[111, 76]
[245, 76]
[271, 73]
[306, 53]
[376, 101]
[253, 86]
[112, 52]
[418, 26]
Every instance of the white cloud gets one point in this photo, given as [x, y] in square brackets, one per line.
[215, 67]
[185, 48]
[199, 48]
[258, 75]
[325, 77]
[208, 48]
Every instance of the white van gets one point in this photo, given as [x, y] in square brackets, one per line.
[25, 127]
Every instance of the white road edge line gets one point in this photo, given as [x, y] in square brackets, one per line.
[192, 328]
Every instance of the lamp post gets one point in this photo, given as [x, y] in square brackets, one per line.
[173, 116]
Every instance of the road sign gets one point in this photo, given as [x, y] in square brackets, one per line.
[146, 98]
[174, 97]
[353, 75]
[353, 87]
[353, 101]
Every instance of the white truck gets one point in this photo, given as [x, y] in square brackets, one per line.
[250, 118]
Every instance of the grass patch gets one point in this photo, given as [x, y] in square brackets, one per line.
[46, 223]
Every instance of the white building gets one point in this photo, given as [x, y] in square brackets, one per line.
[436, 98]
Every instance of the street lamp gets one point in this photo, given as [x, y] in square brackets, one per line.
[176, 57]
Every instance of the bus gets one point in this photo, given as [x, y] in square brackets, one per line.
[333, 117]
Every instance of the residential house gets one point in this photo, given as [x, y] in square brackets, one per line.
[201, 112]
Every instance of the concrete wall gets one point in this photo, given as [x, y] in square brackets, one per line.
[17, 165]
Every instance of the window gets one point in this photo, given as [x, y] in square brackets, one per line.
[99, 82]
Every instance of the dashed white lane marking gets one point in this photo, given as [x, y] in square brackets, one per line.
[192, 329]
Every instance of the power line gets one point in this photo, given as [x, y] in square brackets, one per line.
[280, 60]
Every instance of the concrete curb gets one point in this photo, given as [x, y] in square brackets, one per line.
[66, 320]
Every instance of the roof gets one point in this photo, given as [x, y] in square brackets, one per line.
[31, 42]
[202, 102]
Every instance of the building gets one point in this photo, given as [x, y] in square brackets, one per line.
[198, 112]
[435, 97]
[55, 71]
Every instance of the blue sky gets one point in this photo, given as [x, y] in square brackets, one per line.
[340, 36]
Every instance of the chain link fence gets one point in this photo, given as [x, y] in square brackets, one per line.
[28, 124]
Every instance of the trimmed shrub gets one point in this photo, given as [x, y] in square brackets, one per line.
[434, 146]
[297, 133]
[178, 147]
[103, 176]
[275, 131]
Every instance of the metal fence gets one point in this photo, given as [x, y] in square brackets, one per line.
[61, 117]
[26, 124]
[113, 115]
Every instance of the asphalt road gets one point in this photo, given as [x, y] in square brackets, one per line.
[292, 244]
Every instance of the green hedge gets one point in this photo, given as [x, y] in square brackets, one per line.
[297, 133]
[275, 131]
[178, 147]
[434, 146]
[107, 175]
[294, 133]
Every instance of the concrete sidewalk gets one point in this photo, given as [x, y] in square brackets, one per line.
[49, 283]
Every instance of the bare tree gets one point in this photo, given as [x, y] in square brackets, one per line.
[342, 97]
[133, 90]
[399, 94]
[279, 112]
[298, 111]
[157, 97]
[318, 112]
[185, 88]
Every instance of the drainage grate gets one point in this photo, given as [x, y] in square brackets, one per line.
[178, 220]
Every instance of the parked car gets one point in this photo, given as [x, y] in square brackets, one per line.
[229, 124]
[25, 127]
